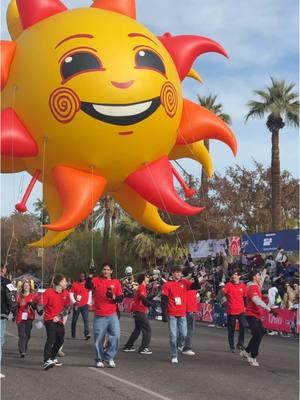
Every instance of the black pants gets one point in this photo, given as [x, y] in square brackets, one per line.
[24, 331]
[257, 331]
[84, 311]
[55, 339]
[231, 321]
[141, 325]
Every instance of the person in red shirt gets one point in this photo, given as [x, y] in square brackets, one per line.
[140, 313]
[56, 304]
[191, 309]
[173, 304]
[26, 305]
[79, 296]
[107, 293]
[254, 311]
[236, 293]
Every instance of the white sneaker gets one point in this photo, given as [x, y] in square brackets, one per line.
[99, 364]
[253, 362]
[48, 364]
[174, 360]
[211, 325]
[244, 354]
[2, 376]
[57, 363]
[188, 352]
[111, 364]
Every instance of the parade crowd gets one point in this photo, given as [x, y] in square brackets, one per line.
[235, 288]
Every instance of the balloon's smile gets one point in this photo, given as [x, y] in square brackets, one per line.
[122, 114]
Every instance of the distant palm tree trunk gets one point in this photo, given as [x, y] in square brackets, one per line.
[275, 181]
[106, 230]
[204, 180]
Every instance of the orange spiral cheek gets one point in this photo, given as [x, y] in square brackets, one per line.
[64, 104]
[169, 99]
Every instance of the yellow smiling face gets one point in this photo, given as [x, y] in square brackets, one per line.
[101, 88]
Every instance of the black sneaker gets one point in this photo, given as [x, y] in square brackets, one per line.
[128, 349]
[145, 351]
[48, 364]
[87, 337]
[22, 355]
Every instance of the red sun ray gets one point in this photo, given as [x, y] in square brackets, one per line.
[184, 49]
[154, 182]
[125, 7]
[33, 11]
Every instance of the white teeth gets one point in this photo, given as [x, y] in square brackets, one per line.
[122, 111]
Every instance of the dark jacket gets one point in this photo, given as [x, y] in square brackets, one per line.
[8, 298]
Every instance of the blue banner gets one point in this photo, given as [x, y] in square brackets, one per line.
[269, 242]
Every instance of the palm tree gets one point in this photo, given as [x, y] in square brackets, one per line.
[210, 102]
[281, 106]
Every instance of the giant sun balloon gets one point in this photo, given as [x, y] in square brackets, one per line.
[92, 105]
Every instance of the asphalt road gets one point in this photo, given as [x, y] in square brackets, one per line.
[214, 373]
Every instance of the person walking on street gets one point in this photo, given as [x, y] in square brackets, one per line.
[140, 313]
[107, 293]
[27, 301]
[173, 303]
[79, 296]
[236, 293]
[254, 312]
[56, 303]
[8, 305]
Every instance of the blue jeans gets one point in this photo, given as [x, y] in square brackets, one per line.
[106, 326]
[177, 333]
[190, 321]
[84, 311]
[2, 335]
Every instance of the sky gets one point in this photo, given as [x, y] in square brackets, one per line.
[261, 38]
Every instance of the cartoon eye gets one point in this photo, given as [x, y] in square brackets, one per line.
[77, 63]
[149, 59]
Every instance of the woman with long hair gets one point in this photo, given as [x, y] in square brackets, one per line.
[26, 301]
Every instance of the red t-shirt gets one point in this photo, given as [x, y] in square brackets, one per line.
[176, 291]
[252, 310]
[191, 301]
[54, 303]
[137, 305]
[25, 312]
[78, 289]
[235, 294]
[104, 306]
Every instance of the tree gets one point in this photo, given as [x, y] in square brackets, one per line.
[280, 104]
[210, 102]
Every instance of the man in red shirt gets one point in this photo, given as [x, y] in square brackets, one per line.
[107, 293]
[140, 313]
[236, 293]
[173, 304]
[254, 311]
[79, 296]
[56, 303]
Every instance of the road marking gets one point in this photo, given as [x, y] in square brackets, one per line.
[134, 385]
